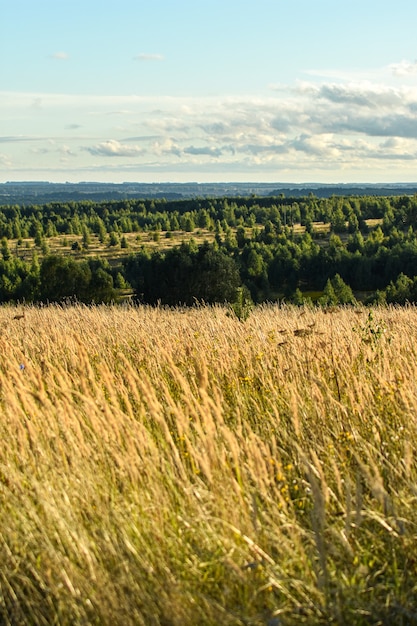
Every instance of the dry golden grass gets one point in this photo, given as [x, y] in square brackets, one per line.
[181, 467]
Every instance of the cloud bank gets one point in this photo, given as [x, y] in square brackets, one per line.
[324, 129]
[404, 68]
[113, 148]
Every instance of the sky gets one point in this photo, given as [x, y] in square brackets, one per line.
[208, 90]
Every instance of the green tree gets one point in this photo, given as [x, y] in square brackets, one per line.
[113, 239]
[100, 288]
[174, 223]
[5, 251]
[255, 264]
[31, 282]
[336, 291]
[343, 292]
[63, 277]
[402, 291]
[374, 241]
[203, 219]
[102, 232]
[187, 223]
[86, 237]
[184, 275]
[120, 282]
[338, 223]
[298, 298]
[217, 275]
[329, 297]
[39, 235]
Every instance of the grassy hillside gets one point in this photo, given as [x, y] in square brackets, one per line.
[169, 467]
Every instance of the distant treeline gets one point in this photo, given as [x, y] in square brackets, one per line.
[344, 214]
[27, 193]
[256, 248]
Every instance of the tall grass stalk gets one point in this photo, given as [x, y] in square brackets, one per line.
[169, 467]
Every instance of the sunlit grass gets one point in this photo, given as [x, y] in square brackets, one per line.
[181, 467]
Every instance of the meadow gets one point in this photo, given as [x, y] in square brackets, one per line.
[177, 467]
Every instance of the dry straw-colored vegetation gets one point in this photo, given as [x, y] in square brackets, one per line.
[169, 467]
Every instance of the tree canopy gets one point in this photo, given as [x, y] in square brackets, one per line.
[274, 247]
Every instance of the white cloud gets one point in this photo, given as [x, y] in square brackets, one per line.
[359, 94]
[60, 56]
[5, 161]
[323, 126]
[209, 151]
[114, 148]
[66, 150]
[404, 68]
[163, 147]
[310, 127]
[388, 75]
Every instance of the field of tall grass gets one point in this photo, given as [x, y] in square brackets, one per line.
[181, 468]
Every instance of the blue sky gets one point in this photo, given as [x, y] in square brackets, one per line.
[178, 90]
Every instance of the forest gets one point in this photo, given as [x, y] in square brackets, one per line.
[259, 249]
